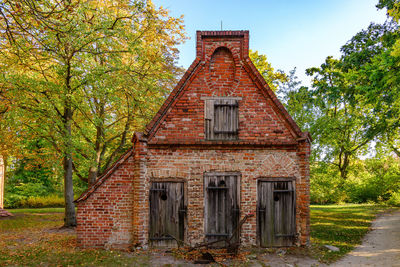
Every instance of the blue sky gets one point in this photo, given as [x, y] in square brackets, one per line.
[299, 33]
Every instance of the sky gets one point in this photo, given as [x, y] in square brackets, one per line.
[295, 33]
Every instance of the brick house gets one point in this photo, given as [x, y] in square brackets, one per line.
[220, 147]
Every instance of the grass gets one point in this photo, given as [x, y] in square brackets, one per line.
[31, 238]
[342, 226]
[39, 210]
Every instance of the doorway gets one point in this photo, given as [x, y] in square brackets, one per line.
[276, 213]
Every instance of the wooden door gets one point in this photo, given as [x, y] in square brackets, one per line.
[276, 213]
[167, 213]
[221, 214]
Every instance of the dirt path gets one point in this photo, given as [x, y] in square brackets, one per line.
[380, 247]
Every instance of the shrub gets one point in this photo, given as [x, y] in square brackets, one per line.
[324, 184]
[394, 199]
[12, 201]
[373, 180]
[16, 201]
[370, 180]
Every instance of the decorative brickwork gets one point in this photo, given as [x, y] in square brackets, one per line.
[115, 210]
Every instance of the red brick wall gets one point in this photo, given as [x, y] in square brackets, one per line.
[104, 219]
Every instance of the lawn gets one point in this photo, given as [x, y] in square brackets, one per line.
[342, 226]
[32, 237]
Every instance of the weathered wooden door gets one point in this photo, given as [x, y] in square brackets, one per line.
[221, 205]
[276, 213]
[167, 213]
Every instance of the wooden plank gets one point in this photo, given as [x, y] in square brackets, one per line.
[218, 117]
[279, 212]
[266, 217]
[209, 119]
[213, 215]
[284, 213]
[234, 204]
[235, 115]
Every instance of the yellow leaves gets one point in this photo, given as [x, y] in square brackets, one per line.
[396, 49]
[395, 11]
[266, 70]
[119, 52]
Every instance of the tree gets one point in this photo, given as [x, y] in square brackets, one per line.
[272, 77]
[392, 6]
[373, 67]
[126, 97]
[71, 66]
[338, 127]
[298, 100]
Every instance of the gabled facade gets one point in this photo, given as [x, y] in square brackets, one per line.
[221, 146]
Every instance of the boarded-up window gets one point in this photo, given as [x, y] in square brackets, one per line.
[222, 211]
[276, 213]
[222, 119]
[167, 213]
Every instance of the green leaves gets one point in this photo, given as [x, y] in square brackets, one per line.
[354, 100]
[110, 63]
[272, 77]
[83, 75]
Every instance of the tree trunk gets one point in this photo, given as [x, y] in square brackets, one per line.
[93, 171]
[343, 168]
[343, 173]
[2, 180]
[70, 217]
[96, 164]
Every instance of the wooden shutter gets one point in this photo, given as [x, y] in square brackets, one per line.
[221, 119]
[221, 205]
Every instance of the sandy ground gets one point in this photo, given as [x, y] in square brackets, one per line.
[284, 261]
[380, 247]
[262, 260]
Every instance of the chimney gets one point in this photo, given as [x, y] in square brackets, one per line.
[208, 41]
